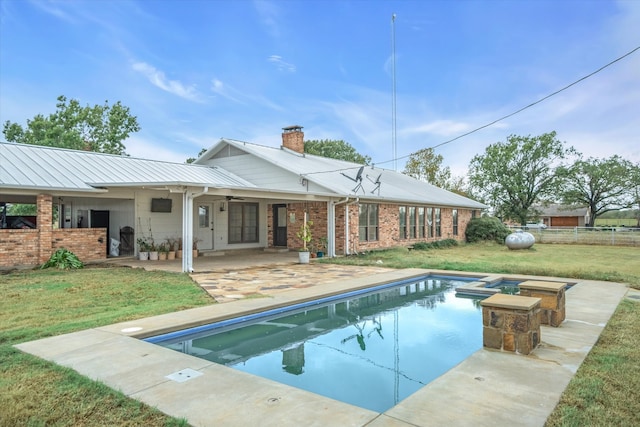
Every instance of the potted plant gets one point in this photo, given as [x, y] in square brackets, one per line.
[172, 243]
[179, 248]
[195, 247]
[153, 251]
[305, 235]
[143, 248]
[163, 251]
[322, 246]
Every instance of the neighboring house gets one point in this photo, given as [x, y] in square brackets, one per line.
[556, 215]
[237, 195]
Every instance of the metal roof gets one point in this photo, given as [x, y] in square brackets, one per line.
[36, 167]
[339, 176]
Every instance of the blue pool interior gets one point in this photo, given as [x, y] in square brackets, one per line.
[371, 348]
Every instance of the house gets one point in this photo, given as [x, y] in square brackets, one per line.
[556, 215]
[237, 195]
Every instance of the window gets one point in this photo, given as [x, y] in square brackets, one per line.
[243, 222]
[454, 214]
[368, 219]
[402, 217]
[203, 216]
[421, 230]
[430, 222]
[412, 222]
[437, 223]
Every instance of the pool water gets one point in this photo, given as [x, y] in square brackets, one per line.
[371, 350]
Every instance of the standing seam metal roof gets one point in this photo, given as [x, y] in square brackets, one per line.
[333, 174]
[37, 167]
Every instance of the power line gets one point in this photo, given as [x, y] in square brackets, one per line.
[526, 107]
[503, 117]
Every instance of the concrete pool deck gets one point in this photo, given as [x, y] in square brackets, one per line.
[490, 388]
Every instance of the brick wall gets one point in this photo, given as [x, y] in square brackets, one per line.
[88, 244]
[388, 226]
[31, 247]
[45, 226]
[316, 212]
[19, 247]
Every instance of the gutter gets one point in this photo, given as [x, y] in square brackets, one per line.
[187, 228]
[331, 226]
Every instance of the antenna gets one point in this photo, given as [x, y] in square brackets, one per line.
[393, 93]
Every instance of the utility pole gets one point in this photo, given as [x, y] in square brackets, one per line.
[393, 93]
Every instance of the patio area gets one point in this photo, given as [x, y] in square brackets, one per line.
[250, 274]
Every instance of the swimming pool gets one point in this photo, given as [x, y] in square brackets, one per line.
[371, 348]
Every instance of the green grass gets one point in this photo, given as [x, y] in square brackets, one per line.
[41, 303]
[606, 388]
[609, 263]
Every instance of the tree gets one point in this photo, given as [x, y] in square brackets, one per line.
[425, 165]
[635, 189]
[100, 128]
[513, 176]
[600, 184]
[335, 149]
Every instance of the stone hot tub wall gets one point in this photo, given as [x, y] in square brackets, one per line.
[511, 323]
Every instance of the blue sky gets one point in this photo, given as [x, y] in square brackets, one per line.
[196, 70]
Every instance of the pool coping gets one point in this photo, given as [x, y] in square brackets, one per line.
[488, 388]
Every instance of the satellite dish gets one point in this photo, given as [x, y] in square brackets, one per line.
[358, 177]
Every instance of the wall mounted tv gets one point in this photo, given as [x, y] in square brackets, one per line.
[161, 205]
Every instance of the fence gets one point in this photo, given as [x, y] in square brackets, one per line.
[611, 236]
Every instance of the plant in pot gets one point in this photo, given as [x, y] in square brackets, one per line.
[305, 235]
[153, 251]
[163, 251]
[172, 244]
[195, 247]
[322, 246]
[143, 248]
[179, 248]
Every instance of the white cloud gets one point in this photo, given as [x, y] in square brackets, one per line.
[158, 78]
[219, 88]
[281, 64]
[439, 127]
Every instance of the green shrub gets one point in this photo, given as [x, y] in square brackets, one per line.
[64, 260]
[486, 228]
[440, 244]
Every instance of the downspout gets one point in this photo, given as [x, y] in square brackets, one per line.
[331, 226]
[346, 232]
[187, 228]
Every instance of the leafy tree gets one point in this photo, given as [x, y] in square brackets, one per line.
[635, 189]
[513, 176]
[100, 128]
[335, 149]
[600, 184]
[425, 165]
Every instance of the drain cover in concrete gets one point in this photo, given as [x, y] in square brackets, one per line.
[184, 375]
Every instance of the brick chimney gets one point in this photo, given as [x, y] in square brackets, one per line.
[293, 138]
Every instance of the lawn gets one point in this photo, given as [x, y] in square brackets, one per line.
[41, 303]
